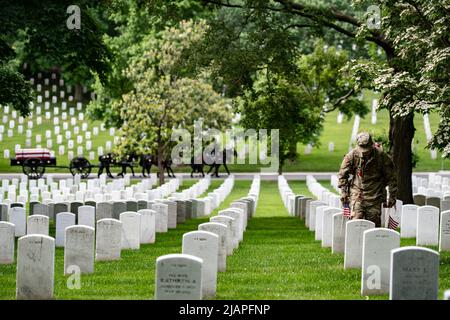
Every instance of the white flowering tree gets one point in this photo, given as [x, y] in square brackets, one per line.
[163, 98]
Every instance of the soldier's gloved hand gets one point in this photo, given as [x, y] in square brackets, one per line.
[345, 199]
[391, 203]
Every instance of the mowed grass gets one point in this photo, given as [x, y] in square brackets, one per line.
[278, 259]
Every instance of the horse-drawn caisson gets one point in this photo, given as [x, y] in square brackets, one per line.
[35, 161]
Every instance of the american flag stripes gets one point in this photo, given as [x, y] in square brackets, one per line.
[346, 213]
[392, 223]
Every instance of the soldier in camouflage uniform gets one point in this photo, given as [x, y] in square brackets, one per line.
[365, 173]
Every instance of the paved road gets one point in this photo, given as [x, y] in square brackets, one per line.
[239, 176]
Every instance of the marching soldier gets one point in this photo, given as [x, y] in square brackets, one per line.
[105, 163]
[365, 173]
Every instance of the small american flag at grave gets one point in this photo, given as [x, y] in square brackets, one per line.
[346, 213]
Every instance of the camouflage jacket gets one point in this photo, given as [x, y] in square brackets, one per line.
[366, 180]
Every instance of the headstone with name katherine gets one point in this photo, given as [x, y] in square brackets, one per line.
[178, 277]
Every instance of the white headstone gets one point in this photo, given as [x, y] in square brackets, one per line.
[162, 211]
[63, 220]
[221, 231]
[444, 234]
[79, 249]
[408, 226]
[354, 242]
[427, 226]
[131, 226]
[327, 226]
[338, 233]
[204, 245]
[6, 242]
[148, 225]
[86, 216]
[18, 217]
[414, 274]
[38, 224]
[108, 240]
[35, 267]
[376, 261]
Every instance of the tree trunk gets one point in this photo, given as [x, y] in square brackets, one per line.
[78, 95]
[280, 167]
[161, 165]
[401, 135]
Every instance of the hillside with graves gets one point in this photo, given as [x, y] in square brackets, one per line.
[59, 123]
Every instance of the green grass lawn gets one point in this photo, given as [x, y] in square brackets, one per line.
[278, 259]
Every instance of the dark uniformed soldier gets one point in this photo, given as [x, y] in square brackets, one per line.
[105, 163]
[127, 162]
[146, 163]
[365, 173]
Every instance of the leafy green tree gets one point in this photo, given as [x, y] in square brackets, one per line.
[412, 34]
[132, 23]
[36, 32]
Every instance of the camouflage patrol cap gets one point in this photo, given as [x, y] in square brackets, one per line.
[364, 141]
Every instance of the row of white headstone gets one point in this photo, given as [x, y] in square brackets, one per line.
[49, 142]
[87, 212]
[35, 265]
[192, 275]
[435, 185]
[404, 273]
[72, 189]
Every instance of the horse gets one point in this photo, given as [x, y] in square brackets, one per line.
[213, 163]
[147, 160]
[105, 162]
[127, 162]
[197, 167]
[226, 155]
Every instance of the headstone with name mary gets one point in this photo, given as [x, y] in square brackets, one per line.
[414, 274]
